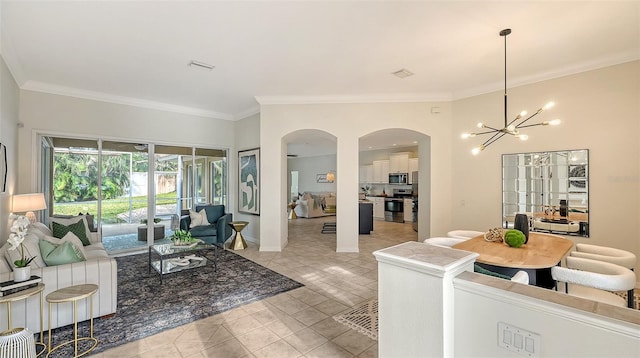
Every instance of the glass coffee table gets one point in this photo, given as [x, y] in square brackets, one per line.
[171, 258]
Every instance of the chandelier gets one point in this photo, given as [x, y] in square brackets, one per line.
[512, 128]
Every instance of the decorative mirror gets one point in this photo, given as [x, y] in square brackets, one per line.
[551, 188]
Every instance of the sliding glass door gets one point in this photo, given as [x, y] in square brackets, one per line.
[114, 181]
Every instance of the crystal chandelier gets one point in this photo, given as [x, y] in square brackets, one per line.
[512, 128]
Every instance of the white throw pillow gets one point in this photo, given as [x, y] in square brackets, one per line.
[198, 218]
[39, 229]
[70, 237]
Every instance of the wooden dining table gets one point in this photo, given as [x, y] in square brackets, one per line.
[536, 257]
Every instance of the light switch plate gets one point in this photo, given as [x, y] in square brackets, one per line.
[518, 340]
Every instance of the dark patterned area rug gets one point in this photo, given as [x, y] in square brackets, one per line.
[145, 307]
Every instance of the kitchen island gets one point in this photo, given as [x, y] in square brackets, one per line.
[365, 213]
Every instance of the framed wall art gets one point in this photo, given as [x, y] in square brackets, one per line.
[321, 178]
[3, 168]
[249, 181]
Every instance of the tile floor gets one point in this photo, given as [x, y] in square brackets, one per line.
[297, 323]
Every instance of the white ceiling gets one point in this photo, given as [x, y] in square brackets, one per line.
[137, 52]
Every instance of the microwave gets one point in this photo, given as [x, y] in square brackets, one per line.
[398, 178]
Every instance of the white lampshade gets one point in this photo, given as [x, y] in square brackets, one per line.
[28, 203]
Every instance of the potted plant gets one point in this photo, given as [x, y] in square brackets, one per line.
[19, 229]
[183, 238]
[155, 221]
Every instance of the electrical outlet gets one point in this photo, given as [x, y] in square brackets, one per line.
[518, 340]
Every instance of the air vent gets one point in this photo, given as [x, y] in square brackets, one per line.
[201, 65]
[403, 73]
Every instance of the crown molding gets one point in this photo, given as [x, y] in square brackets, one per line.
[129, 101]
[368, 98]
[246, 113]
[602, 62]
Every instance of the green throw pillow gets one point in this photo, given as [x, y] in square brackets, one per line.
[64, 253]
[59, 231]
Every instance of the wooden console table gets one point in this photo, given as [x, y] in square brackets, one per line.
[541, 252]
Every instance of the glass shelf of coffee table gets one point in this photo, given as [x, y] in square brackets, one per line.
[172, 258]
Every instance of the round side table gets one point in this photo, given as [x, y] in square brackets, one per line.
[238, 242]
[73, 294]
[292, 213]
[23, 295]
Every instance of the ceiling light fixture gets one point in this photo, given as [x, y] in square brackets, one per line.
[402, 73]
[201, 65]
[331, 176]
[511, 128]
[140, 147]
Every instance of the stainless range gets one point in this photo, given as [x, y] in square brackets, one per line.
[394, 206]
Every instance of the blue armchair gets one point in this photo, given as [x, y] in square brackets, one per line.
[217, 232]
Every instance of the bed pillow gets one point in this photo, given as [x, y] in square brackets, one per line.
[198, 218]
[78, 229]
[65, 253]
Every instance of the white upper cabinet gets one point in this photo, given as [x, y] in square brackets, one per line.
[381, 171]
[399, 163]
[366, 173]
[413, 167]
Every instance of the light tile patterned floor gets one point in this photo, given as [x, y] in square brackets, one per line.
[297, 323]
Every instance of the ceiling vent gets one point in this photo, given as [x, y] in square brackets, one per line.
[403, 73]
[201, 65]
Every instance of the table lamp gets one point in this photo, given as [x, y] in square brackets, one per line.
[28, 203]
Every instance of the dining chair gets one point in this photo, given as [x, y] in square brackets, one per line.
[464, 234]
[593, 280]
[610, 255]
[443, 241]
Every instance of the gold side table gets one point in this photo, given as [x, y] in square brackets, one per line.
[23, 295]
[292, 213]
[238, 242]
[73, 294]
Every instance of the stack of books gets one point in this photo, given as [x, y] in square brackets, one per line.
[10, 287]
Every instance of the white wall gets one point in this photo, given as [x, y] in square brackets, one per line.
[564, 331]
[599, 110]
[308, 168]
[69, 116]
[347, 123]
[247, 136]
[9, 99]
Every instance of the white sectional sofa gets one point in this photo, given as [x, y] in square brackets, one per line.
[98, 269]
[313, 205]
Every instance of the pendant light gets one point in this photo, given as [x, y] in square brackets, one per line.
[512, 128]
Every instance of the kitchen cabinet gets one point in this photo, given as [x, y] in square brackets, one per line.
[366, 173]
[380, 171]
[413, 167]
[399, 163]
[408, 210]
[378, 206]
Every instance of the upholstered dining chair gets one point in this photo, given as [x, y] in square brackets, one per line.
[464, 234]
[443, 241]
[593, 279]
[610, 255]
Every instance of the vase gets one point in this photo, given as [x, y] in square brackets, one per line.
[521, 223]
[21, 273]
